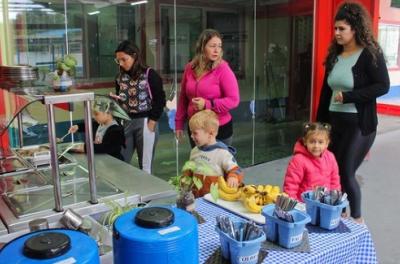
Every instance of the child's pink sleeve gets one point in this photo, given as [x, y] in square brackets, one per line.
[293, 178]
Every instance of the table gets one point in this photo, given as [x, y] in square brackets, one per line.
[326, 247]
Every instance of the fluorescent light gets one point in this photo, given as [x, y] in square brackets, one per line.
[139, 3]
[94, 13]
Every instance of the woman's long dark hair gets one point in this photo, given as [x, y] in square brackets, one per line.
[132, 50]
[358, 18]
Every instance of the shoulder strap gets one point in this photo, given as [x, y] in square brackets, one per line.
[147, 82]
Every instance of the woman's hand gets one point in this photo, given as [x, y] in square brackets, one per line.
[114, 96]
[179, 135]
[199, 103]
[151, 125]
[232, 182]
[338, 97]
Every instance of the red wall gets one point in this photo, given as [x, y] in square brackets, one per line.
[323, 34]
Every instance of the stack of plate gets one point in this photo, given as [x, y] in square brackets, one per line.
[17, 74]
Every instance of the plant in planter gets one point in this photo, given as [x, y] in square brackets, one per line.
[116, 210]
[187, 182]
[62, 77]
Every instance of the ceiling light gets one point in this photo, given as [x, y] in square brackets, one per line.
[93, 13]
[139, 3]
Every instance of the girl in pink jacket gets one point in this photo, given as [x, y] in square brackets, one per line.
[312, 164]
[208, 83]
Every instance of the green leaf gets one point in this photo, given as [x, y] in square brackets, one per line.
[189, 165]
[202, 167]
[197, 183]
[214, 191]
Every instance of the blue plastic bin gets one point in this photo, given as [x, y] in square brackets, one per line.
[288, 235]
[324, 215]
[240, 252]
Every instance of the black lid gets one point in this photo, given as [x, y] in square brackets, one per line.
[47, 245]
[154, 217]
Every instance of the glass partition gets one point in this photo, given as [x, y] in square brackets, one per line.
[267, 43]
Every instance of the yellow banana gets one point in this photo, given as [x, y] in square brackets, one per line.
[268, 199]
[260, 188]
[249, 189]
[224, 187]
[251, 206]
[267, 188]
[276, 189]
[229, 196]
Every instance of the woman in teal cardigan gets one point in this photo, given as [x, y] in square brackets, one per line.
[356, 75]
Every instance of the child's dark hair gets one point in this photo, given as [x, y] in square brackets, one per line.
[309, 128]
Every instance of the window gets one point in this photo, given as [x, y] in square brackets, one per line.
[389, 36]
[395, 3]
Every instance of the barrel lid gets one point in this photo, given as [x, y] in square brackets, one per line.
[46, 245]
[154, 217]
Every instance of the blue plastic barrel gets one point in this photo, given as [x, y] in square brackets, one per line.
[51, 246]
[165, 235]
[287, 234]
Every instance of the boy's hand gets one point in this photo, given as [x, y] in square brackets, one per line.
[232, 182]
[73, 129]
[79, 148]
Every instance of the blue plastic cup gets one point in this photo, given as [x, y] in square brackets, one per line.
[324, 215]
[224, 240]
[245, 252]
[240, 252]
[286, 234]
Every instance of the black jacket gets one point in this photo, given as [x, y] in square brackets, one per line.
[113, 140]
[370, 81]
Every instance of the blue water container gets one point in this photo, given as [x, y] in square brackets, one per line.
[51, 246]
[156, 235]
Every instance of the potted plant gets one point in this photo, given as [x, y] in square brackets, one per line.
[187, 182]
[62, 77]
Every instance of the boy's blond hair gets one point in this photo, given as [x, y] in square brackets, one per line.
[206, 119]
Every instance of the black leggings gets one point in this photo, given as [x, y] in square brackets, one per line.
[350, 148]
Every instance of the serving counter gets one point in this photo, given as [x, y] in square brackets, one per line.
[115, 181]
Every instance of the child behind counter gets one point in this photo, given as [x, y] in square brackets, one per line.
[108, 134]
[312, 164]
[204, 129]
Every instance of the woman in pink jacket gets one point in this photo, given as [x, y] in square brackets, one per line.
[312, 164]
[208, 83]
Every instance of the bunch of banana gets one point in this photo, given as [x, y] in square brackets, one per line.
[254, 197]
[250, 203]
[227, 193]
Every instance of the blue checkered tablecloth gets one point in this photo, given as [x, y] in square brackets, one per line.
[326, 247]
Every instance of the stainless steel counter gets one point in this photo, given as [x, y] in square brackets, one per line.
[116, 181]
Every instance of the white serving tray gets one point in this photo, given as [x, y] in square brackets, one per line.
[237, 208]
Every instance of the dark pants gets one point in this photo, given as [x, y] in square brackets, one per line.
[350, 148]
[139, 138]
